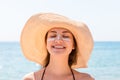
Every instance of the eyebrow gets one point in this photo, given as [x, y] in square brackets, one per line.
[53, 31]
[66, 32]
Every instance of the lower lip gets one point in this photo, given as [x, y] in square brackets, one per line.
[58, 49]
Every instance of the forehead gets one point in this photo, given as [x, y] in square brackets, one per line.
[59, 30]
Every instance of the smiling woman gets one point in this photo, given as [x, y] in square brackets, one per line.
[59, 44]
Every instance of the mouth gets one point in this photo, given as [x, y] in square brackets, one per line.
[58, 47]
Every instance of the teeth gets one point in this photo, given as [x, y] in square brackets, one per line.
[58, 46]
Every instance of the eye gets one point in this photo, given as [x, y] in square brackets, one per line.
[52, 36]
[64, 36]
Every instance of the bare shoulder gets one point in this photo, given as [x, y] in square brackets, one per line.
[29, 76]
[33, 75]
[82, 76]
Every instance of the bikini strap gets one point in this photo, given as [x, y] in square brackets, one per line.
[43, 73]
[72, 74]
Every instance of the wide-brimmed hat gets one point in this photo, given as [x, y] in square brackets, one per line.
[33, 37]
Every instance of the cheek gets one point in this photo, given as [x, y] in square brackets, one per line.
[48, 44]
[72, 44]
[67, 39]
[50, 39]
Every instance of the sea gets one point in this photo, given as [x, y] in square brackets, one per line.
[104, 63]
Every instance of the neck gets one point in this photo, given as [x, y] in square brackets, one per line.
[58, 65]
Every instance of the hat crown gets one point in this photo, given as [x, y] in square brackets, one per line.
[52, 17]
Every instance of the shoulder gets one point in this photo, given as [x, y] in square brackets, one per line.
[33, 75]
[87, 76]
[82, 76]
[29, 76]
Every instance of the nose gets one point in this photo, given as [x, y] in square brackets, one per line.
[58, 39]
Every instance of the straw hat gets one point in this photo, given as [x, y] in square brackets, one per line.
[34, 32]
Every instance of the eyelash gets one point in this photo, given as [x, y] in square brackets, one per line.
[53, 36]
[62, 36]
[66, 36]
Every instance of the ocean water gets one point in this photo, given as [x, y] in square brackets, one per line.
[104, 63]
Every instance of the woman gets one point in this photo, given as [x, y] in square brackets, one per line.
[57, 43]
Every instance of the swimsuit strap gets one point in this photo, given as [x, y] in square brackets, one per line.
[72, 74]
[45, 70]
[43, 73]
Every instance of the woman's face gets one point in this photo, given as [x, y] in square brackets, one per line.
[59, 41]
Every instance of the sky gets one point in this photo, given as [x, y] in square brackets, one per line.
[101, 16]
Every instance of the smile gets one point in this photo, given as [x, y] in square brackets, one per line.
[58, 47]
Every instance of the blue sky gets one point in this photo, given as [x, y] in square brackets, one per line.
[101, 16]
